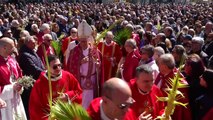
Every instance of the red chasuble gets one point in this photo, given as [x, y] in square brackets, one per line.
[146, 102]
[180, 113]
[130, 65]
[74, 63]
[95, 113]
[109, 52]
[38, 104]
[66, 42]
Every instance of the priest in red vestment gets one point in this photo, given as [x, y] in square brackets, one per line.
[73, 36]
[114, 103]
[145, 93]
[84, 63]
[64, 87]
[9, 88]
[47, 45]
[111, 55]
[166, 64]
[132, 59]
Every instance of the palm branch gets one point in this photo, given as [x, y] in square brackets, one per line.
[57, 47]
[122, 35]
[173, 95]
[103, 34]
[65, 111]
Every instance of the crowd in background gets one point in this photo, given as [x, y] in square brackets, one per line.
[162, 35]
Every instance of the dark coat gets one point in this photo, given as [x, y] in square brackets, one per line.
[30, 63]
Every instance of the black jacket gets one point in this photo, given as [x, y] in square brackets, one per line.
[30, 63]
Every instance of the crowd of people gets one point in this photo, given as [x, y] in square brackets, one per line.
[111, 76]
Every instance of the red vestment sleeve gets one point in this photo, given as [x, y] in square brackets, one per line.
[35, 105]
[75, 90]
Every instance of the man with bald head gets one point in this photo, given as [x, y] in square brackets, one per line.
[114, 103]
[10, 89]
[111, 55]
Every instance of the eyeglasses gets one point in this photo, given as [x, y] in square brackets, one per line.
[56, 66]
[73, 32]
[125, 105]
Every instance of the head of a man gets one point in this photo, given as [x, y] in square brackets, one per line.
[117, 98]
[158, 51]
[7, 47]
[130, 45]
[144, 78]
[30, 42]
[47, 38]
[109, 37]
[147, 52]
[73, 32]
[45, 28]
[166, 63]
[197, 43]
[55, 65]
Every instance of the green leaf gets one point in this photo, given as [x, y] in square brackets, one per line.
[122, 35]
[64, 111]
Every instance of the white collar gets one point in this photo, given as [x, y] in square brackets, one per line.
[103, 116]
[107, 43]
[53, 79]
[142, 92]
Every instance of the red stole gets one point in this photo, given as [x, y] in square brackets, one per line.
[5, 71]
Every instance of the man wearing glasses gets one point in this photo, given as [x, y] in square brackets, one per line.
[114, 103]
[145, 94]
[65, 87]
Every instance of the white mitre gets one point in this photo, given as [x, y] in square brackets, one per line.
[84, 30]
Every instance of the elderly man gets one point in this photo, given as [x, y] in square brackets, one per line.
[47, 45]
[111, 55]
[197, 44]
[64, 87]
[84, 64]
[114, 103]
[166, 64]
[145, 94]
[45, 29]
[10, 89]
[31, 65]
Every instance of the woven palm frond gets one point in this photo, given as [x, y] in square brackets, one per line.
[65, 111]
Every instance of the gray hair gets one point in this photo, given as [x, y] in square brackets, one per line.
[143, 69]
[46, 36]
[132, 43]
[198, 40]
[28, 39]
[44, 26]
[168, 60]
[159, 50]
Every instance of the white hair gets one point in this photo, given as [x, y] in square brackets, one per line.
[44, 26]
[46, 36]
[34, 26]
[198, 40]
